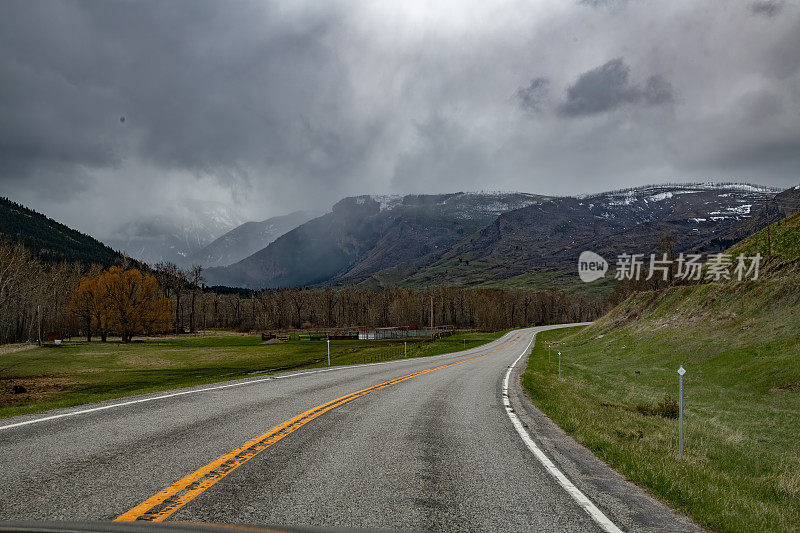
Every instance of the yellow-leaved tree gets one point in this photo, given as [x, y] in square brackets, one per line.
[86, 305]
[123, 301]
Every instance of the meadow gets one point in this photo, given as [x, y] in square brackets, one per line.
[740, 345]
[79, 372]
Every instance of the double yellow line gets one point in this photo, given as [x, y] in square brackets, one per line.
[166, 502]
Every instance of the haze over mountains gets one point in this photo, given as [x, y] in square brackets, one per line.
[209, 234]
[476, 238]
[176, 235]
[245, 240]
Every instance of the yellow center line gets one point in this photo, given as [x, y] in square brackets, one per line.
[163, 504]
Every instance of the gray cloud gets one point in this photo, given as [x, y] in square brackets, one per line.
[657, 90]
[602, 3]
[767, 8]
[533, 97]
[608, 87]
[264, 108]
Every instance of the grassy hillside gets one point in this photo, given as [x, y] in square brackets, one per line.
[536, 279]
[740, 345]
[51, 240]
[784, 237]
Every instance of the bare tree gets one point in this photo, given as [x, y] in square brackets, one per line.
[195, 278]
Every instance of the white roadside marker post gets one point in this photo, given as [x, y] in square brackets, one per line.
[405, 349]
[559, 365]
[329, 352]
[681, 372]
[548, 353]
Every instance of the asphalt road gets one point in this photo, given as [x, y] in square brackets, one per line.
[415, 449]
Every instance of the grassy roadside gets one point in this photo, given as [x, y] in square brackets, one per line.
[741, 468]
[740, 345]
[79, 372]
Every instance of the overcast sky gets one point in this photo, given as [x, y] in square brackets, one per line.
[112, 111]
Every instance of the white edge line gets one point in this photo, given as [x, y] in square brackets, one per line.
[207, 389]
[596, 514]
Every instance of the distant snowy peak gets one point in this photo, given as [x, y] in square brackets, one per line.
[467, 204]
[495, 203]
[388, 201]
[662, 192]
[696, 202]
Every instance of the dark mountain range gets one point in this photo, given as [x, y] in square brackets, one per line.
[51, 240]
[780, 206]
[366, 234]
[788, 202]
[495, 239]
[483, 239]
[247, 239]
[551, 235]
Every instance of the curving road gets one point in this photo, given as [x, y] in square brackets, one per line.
[418, 444]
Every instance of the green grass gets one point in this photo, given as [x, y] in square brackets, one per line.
[496, 276]
[784, 237]
[79, 372]
[548, 279]
[740, 344]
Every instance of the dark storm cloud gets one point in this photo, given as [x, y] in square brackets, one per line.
[191, 100]
[767, 8]
[608, 87]
[267, 107]
[533, 97]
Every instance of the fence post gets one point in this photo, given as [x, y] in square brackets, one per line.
[681, 372]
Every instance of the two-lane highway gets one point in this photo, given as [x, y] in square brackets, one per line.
[416, 444]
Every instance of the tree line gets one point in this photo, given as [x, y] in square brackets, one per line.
[65, 299]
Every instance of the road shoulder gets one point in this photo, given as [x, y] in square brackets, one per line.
[630, 507]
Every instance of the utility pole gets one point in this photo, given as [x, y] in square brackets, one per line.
[39, 314]
[769, 241]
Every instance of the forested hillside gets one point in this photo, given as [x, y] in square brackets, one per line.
[50, 240]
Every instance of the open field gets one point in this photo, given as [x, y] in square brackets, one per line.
[79, 372]
[740, 344]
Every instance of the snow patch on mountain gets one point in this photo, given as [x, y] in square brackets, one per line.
[388, 201]
[660, 196]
